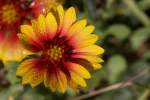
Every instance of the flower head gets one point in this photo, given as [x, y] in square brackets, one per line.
[66, 50]
[44, 6]
[12, 14]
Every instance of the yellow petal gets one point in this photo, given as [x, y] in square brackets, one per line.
[35, 26]
[73, 85]
[88, 40]
[23, 68]
[27, 30]
[80, 70]
[27, 77]
[90, 58]
[86, 31]
[46, 78]
[41, 24]
[90, 50]
[51, 24]
[60, 12]
[77, 79]
[97, 66]
[37, 78]
[53, 83]
[62, 81]
[69, 18]
[77, 27]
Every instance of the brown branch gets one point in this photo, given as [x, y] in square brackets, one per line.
[127, 83]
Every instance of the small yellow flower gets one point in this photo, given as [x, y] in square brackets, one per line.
[66, 48]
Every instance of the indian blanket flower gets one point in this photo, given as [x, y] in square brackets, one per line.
[12, 14]
[44, 6]
[65, 50]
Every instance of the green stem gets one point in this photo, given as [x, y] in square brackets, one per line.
[143, 18]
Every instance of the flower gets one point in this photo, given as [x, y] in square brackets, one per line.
[44, 6]
[65, 47]
[12, 14]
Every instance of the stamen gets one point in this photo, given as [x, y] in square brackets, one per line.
[8, 14]
[55, 53]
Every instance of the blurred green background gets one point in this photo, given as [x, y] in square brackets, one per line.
[124, 30]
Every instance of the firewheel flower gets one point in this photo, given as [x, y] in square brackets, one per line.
[12, 14]
[44, 6]
[65, 50]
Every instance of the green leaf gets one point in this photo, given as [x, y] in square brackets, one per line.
[95, 80]
[120, 31]
[144, 4]
[139, 37]
[11, 92]
[11, 72]
[32, 94]
[146, 55]
[116, 66]
[138, 67]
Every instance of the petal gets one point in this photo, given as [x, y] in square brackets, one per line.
[86, 41]
[35, 26]
[90, 50]
[30, 44]
[69, 18]
[62, 81]
[37, 78]
[58, 81]
[46, 78]
[41, 24]
[86, 31]
[53, 83]
[24, 67]
[27, 77]
[77, 27]
[60, 12]
[80, 70]
[51, 25]
[97, 66]
[90, 58]
[27, 30]
[35, 75]
[74, 86]
[77, 79]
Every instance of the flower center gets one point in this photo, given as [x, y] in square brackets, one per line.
[55, 53]
[8, 14]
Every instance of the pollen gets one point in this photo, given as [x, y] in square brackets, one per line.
[55, 53]
[8, 14]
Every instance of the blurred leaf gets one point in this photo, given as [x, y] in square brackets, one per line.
[146, 55]
[144, 4]
[31, 94]
[11, 72]
[139, 37]
[11, 92]
[90, 8]
[71, 92]
[137, 67]
[120, 31]
[116, 66]
[95, 80]
[109, 3]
